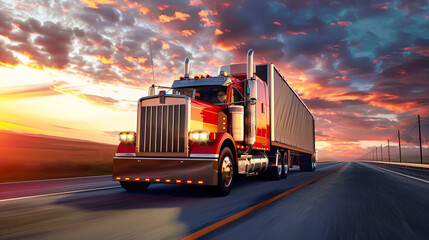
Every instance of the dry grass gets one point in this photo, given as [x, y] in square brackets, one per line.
[28, 157]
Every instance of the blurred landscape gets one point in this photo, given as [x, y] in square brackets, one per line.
[31, 157]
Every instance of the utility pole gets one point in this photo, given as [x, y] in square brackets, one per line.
[399, 138]
[381, 152]
[388, 149]
[376, 157]
[420, 140]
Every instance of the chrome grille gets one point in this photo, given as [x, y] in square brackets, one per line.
[162, 129]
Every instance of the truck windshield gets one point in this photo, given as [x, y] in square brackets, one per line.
[211, 94]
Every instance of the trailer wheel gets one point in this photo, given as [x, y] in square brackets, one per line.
[134, 186]
[307, 164]
[285, 165]
[313, 163]
[274, 173]
[225, 174]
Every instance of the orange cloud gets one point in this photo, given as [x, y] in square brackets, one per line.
[263, 37]
[195, 3]
[165, 45]
[341, 23]
[218, 32]
[277, 23]
[129, 59]
[104, 60]
[142, 9]
[186, 33]
[163, 7]
[292, 33]
[94, 99]
[94, 3]
[141, 59]
[382, 6]
[422, 50]
[229, 47]
[11, 126]
[177, 16]
[28, 91]
[204, 17]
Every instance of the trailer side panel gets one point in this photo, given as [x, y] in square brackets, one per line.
[291, 121]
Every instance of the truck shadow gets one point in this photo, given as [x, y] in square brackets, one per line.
[172, 195]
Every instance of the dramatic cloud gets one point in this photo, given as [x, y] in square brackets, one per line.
[361, 68]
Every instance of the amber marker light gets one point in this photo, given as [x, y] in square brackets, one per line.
[157, 180]
[200, 182]
[147, 180]
[137, 179]
[118, 178]
[189, 182]
[178, 181]
[127, 179]
[168, 180]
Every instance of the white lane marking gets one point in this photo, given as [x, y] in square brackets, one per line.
[59, 193]
[55, 179]
[404, 175]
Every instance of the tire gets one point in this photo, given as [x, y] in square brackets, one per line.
[308, 164]
[225, 174]
[285, 165]
[313, 163]
[274, 173]
[134, 186]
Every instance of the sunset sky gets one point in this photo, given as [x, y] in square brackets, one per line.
[76, 68]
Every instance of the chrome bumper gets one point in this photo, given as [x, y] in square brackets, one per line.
[201, 171]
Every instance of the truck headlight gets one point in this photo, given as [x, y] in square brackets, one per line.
[200, 135]
[127, 136]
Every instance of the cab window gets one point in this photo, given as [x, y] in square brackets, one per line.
[236, 96]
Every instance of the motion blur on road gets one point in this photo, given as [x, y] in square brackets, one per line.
[357, 201]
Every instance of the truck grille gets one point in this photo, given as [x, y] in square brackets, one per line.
[162, 129]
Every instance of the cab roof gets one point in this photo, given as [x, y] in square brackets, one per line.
[212, 81]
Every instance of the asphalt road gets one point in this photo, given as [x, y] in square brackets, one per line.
[357, 201]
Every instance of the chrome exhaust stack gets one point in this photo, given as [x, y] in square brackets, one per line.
[186, 67]
[250, 111]
[250, 64]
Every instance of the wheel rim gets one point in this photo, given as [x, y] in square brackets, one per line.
[279, 162]
[227, 171]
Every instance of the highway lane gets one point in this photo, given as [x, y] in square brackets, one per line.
[52, 186]
[163, 212]
[418, 173]
[359, 201]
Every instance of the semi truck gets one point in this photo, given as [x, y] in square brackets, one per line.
[210, 130]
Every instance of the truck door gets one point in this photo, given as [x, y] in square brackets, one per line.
[262, 113]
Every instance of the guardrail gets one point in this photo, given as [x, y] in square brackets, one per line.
[410, 165]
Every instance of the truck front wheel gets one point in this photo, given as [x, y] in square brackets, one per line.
[134, 186]
[225, 173]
